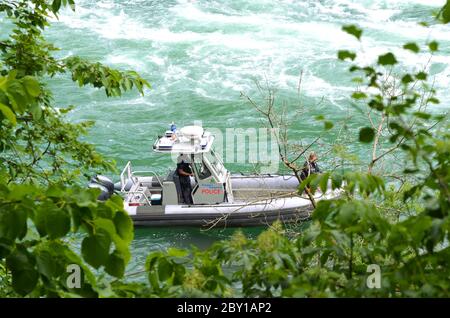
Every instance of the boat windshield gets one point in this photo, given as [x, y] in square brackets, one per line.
[202, 170]
[215, 162]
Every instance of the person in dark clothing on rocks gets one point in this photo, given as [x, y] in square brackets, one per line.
[184, 172]
[310, 166]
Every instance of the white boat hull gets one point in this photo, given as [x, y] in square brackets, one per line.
[289, 209]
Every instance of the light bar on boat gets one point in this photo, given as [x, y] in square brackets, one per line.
[188, 140]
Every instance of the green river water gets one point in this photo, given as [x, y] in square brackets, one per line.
[199, 56]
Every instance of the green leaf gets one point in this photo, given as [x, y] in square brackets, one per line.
[8, 113]
[115, 203]
[445, 13]
[433, 45]
[56, 5]
[320, 117]
[109, 227]
[336, 180]
[24, 281]
[72, 4]
[179, 274]
[422, 115]
[344, 54]
[366, 134]
[387, 59]
[12, 75]
[346, 213]
[95, 248]
[323, 183]
[57, 223]
[433, 100]
[124, 226]
[328, 125]
[54, 191]
[52, 221]
[314, 184]
[6, 247]
[407, 79]
[165, 269]
[115, 265]
[412, 47]
[24, 276]
[176, 252]
[353, 30]
[324, 257]
[13, 223]
[421, 76]
[36, 111]
[86, 198]
[321, 213]
[17, 97]
[359, 95]
[47, 264]
[32, 86]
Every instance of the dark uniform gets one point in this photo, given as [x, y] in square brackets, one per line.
[185, 182]
[309, 167]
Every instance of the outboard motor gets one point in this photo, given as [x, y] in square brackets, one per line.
[104, 184]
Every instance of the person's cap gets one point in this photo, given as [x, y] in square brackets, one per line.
[184, 158]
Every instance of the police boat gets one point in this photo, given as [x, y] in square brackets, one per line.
[219, 198]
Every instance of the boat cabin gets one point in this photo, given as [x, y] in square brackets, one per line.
[211, 183]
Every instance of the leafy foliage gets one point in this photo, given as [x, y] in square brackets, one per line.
[404, 229]
[41, 161]
[444, 13]
[52, 145]
[366, 134]
[412, 47]
[344, 54]
[353, 30]
[33, 226]
[387, 59]
[114, 81]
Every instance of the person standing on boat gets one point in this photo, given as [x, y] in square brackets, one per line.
[184, 172]
[310, 166]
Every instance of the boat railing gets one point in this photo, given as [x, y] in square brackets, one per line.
[134, 196]
[150, 172]
[128, 172]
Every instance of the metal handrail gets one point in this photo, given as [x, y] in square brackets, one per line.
[149, 171]
[140, 192]
[130, 174]
[127, 170]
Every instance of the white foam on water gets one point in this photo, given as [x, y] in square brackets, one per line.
[430, 3]
[122, 26]
[410, 30]
[117, 59]
[160, 61]
[190, 11]
[106, 4]
[315, 86]
[175, 73]
[217, 50]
